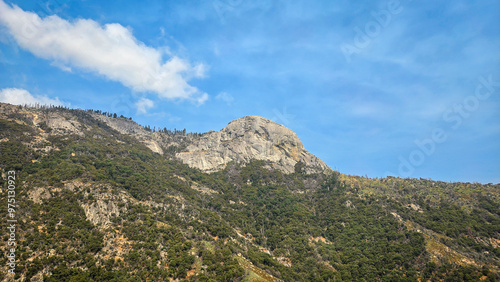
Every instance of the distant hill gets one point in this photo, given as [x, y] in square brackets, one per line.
[102, 198]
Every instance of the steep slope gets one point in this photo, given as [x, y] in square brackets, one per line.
[248, 138]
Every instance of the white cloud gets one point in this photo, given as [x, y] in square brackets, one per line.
[223, 96]
[17, 96]
[110, 50]
[202, 99]
[143, 105]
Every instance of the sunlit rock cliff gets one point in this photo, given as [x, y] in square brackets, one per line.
[247, 138]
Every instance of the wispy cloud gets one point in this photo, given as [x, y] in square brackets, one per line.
[144, 105]
[225, 97]
[110, 50]
[17, 96]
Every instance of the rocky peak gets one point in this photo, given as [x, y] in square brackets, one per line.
[250, 137]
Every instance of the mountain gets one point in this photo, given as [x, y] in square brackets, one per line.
[249, 138]
[101, 198]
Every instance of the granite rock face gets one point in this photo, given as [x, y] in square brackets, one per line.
[125, 126]
[248, 138]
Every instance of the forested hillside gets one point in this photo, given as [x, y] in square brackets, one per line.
[96, 204]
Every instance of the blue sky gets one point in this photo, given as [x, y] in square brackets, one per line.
[376, 88]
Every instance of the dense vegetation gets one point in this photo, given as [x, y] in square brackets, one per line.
[100, 206]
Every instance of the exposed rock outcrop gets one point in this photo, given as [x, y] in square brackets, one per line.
[125, 126]
[59, 123]
[247, 138]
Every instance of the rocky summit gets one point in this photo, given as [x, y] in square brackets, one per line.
[247, 138]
